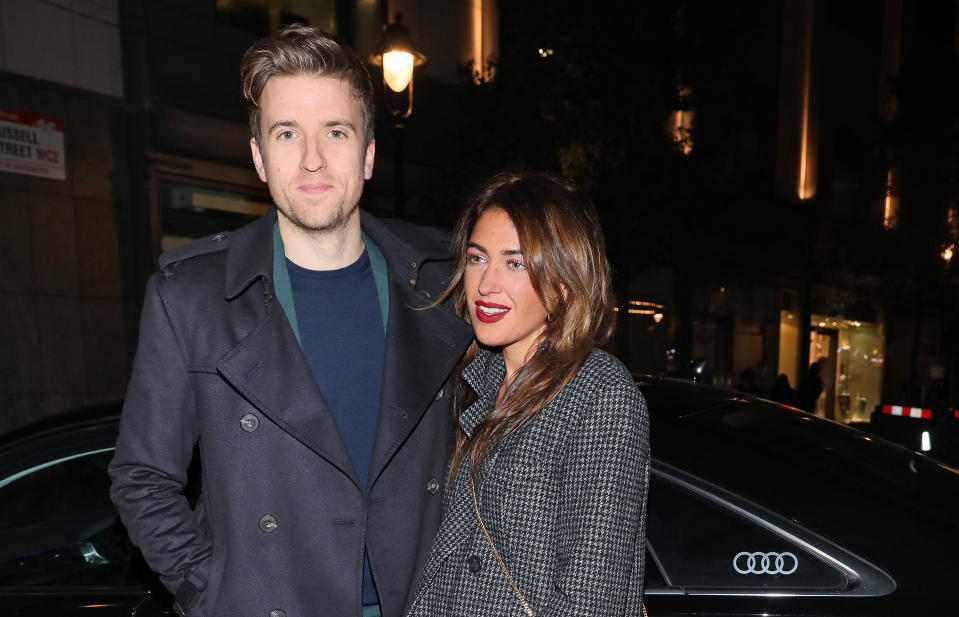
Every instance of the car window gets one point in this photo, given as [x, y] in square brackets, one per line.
[652, 576]
[706, 544]
[59, 528]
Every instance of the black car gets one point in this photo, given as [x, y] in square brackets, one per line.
[755, 509]
[63, 550]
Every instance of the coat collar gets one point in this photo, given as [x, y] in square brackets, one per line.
[484, 374]
[250, 255]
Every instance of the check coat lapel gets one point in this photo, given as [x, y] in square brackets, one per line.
[483, 374]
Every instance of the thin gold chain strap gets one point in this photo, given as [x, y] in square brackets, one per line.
[519, 594]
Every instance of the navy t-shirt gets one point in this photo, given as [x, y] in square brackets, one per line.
[342, 336]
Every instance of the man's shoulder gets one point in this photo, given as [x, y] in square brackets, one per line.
[413, 240]
[170, 260]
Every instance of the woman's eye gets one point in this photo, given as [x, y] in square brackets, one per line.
[473, 258]
[515, 264]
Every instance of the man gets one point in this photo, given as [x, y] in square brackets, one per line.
[297, 354]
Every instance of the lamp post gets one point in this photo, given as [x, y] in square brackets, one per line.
[398, 56]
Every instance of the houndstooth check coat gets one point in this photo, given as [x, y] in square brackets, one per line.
[563, 498]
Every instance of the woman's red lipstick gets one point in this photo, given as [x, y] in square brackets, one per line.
[492, 313]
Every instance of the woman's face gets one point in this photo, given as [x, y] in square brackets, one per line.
[504, 308]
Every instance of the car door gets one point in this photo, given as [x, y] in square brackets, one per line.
[63, 550]
[713, 553]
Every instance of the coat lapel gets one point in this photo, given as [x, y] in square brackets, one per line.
[270, 371]
[422, 348]
[267, 366]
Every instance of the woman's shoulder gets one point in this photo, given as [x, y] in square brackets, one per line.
[605, 368]
[604, 395]
[603, 376]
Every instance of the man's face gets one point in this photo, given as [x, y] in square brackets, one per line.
[311, 151]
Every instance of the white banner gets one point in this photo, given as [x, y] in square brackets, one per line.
[31, 145]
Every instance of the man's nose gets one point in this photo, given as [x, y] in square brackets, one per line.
[313, 158]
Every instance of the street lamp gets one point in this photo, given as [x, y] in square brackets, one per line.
[398, 56]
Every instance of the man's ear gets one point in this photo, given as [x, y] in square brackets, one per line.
[368, 159]
[257, 159]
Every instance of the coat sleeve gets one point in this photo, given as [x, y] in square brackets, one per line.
[601, 522]
[158, 432]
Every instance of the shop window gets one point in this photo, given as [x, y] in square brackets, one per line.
[852, 354]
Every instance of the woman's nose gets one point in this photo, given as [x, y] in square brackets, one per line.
[489, 282]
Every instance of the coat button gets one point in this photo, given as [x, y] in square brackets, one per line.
[432, 486]
[277, 613]
[268, 523]
[249, 423]
[473, 564]
[413, 282]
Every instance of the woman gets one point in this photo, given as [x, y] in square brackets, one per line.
[546, 497]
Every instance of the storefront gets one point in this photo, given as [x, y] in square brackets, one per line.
[850, 354]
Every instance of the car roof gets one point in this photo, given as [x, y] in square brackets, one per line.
[791, 461]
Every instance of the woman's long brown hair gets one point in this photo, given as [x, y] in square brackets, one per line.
[565, 256]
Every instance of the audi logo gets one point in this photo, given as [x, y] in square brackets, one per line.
[765, 563]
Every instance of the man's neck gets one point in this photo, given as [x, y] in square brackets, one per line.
[328, 250]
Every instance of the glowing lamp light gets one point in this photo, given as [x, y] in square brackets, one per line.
[397, 69]
[926, 444]
[398, 56]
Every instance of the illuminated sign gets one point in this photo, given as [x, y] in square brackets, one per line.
[31, 145]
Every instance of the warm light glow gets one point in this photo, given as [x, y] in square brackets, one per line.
[807, 163]
[890, 210]
[681, 123]
[657, 317]
[948, 252]
[682, 129]
[482, 45]
[397, 69]
[479, 57]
